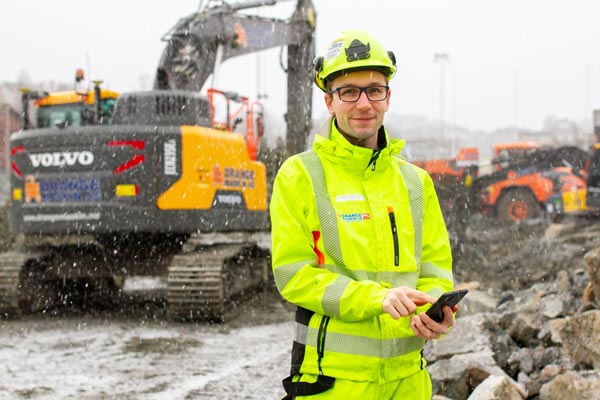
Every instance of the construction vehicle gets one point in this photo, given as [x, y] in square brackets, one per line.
[524, 179]
[68, 108]
[136, 197]
[593, 182]
[521, 188]
[450, 172]
[593, 179]
[453, 177]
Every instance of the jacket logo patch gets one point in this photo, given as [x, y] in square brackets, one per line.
[355, 217]
[349, 197]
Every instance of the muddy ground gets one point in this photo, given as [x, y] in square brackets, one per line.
[134, 351]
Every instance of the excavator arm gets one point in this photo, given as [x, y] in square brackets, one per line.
[198, 43]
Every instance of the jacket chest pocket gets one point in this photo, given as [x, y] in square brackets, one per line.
[379, 237]
[399, 236]
[356, 231]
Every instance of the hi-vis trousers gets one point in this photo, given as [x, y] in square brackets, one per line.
[413, 387]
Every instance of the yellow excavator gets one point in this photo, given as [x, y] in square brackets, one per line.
[165, 189]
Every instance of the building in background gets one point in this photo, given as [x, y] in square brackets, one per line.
[10, 121]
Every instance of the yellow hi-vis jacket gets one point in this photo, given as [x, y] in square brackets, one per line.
[348, 223]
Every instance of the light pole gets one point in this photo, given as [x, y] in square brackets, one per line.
[441, 58]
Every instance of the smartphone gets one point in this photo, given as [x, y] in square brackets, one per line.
[449, 299]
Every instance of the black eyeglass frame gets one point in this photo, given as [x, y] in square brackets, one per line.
[361, 91]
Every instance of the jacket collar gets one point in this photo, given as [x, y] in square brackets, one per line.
[332, 144]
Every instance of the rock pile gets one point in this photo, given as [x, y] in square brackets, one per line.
[523, 331]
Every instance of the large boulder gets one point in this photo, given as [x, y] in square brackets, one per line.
[592, 261]
[473, 334]
[457, 376]
[572, 385]
[580, 337]
[496, 387]
[477, 301]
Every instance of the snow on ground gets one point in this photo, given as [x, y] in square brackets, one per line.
[136, 356]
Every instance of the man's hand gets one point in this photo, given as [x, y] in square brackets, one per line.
[426, 328]
[403, 301]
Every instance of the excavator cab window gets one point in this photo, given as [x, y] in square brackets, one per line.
[64, 115]
[106, 110]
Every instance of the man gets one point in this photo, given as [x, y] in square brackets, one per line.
[359, 242]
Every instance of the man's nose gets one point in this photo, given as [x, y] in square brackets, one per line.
[363, 100]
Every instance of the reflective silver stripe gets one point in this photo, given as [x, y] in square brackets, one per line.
[325, 210]
[301, 333]
[430, 270]
[394, 278]
[415, 191]
[330, 232]
[435, 292]
[359, 345]
[284, 273]
[333, 294]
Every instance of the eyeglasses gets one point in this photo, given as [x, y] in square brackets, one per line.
[351, 94]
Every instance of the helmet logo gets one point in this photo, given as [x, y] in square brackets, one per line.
[358, 51]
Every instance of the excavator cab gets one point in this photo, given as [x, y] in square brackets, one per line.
[73, 109]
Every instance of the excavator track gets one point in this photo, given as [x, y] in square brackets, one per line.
[11, 265]
[42, 278]
[204, 284]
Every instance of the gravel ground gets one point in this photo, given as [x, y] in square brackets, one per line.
[135, 352]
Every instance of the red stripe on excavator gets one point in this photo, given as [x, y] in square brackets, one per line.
[135, 160]
[13, 165]
[16, 150]
[16, 169]
[136, 144]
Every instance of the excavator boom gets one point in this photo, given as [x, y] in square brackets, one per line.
[198, 43]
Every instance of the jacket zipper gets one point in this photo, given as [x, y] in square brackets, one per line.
[321, 341]
[394, 236]
[373, 159]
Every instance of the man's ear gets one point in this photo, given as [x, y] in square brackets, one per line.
[388, 99]
[329, 103]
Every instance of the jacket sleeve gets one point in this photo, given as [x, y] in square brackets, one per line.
[297, 274]
[436, 256]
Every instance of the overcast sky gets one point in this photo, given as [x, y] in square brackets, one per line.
[510, 61]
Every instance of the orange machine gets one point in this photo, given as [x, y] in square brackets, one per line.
[526, 176]
[451, 172]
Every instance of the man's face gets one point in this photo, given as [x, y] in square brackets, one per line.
[358, 121]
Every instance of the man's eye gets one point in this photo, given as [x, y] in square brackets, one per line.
[349, 91]
[375, 90]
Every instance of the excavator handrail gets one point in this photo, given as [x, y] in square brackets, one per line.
[253, 133]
